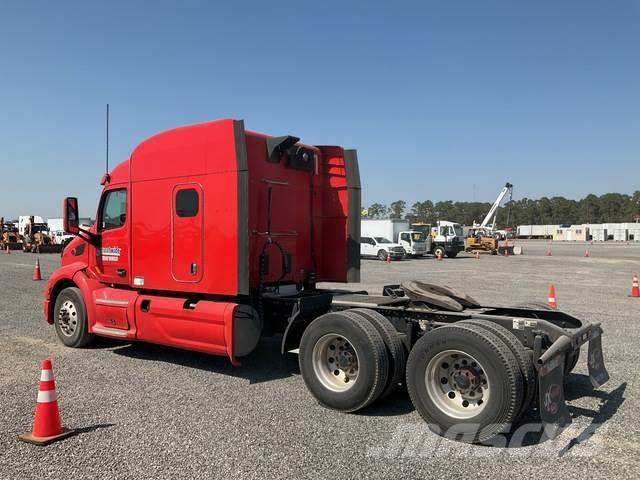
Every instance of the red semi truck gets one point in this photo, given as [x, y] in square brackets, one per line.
[211, 236]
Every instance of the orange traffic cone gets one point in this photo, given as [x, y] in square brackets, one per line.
[549, 250]
[46, 423]
[36, 271]
[439, 256]
[635, 289]
[586, 253]
[552, 297]
[477, 255]
[8, 251]
[388, 258]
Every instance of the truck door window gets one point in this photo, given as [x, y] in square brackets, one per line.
[405, 237]
[114, 209]
[187, 202]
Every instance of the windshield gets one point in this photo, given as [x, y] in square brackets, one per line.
[39, 227]
[382, 240]
[424, 228]
[417, 236]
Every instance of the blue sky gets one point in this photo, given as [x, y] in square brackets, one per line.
[442, 99]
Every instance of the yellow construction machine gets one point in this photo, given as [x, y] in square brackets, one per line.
[9, 237]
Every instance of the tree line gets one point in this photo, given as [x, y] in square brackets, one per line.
[607, 208]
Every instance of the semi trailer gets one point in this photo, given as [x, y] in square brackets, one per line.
[210, 237]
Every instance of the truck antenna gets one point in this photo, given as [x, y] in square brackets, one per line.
[107, 170]
[106, 177]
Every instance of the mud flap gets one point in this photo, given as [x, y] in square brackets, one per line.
[553, 410]
[305, 310]
[597, 371]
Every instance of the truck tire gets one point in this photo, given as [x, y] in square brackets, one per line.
[452, 369]
[70, 319]
[382, 255]
[439, 252]
[452, 254]
[522, 354]
[356, 374]
[395, 348]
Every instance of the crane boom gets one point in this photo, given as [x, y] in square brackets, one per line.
[508, 188]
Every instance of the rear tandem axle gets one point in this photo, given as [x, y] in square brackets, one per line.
[470, 370]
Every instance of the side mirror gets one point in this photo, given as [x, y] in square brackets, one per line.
[71, 222]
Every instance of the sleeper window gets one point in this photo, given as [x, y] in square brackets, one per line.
[187, 203]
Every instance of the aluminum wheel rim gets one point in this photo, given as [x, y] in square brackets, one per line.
[68, 318]
[335, 362]
[457, 384]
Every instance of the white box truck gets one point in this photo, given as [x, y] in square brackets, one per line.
[382, 237]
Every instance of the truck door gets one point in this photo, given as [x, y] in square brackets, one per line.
[444, 233]
[405, 241]
[365, 246]
[187, 233]
[112, 254]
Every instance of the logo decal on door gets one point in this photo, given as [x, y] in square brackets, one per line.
[109, 254]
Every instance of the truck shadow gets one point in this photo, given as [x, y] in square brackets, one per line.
[578, 385]
[264, 364]
[397, 403]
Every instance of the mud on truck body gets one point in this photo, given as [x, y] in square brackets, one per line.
[211, 236]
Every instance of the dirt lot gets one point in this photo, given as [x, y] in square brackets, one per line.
[146, 411]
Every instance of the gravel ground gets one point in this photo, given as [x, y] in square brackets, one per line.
[147, 411]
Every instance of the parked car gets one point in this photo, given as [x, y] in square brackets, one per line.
[381, 248]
